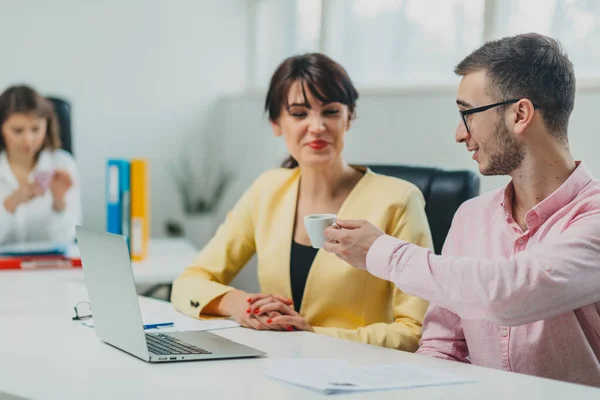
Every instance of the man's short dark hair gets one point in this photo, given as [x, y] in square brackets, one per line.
[531, 66]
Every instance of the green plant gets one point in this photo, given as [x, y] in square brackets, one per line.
[201, 182]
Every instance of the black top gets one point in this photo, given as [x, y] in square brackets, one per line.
[301, 259]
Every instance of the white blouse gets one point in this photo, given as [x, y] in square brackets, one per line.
[36, 220]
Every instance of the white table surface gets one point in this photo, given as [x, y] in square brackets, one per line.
[38, 291]
[51, 357]
[45, 355]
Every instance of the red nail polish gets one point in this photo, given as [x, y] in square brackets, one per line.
[249, 299]
[290, 328]
[256, 311]
[269, 321]
[248, 311]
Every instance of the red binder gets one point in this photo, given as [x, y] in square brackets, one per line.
[39, 262]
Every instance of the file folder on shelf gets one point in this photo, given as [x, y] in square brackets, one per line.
[140, 209]
[118, 197]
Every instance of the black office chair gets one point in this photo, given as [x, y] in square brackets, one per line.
[63, 112]
[444, 192]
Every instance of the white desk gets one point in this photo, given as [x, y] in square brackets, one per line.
[38, 291]
[51, 357]
[45, 355]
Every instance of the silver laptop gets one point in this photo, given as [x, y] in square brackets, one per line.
[116, 310]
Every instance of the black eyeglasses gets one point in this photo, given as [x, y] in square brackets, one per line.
[465, 113]
[83, 311]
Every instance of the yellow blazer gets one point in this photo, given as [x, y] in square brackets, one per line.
[339, 300]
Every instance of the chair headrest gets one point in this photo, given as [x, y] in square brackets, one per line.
[444, 191]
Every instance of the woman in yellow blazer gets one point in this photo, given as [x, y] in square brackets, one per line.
[311, 102]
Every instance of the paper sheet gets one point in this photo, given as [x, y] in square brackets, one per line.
[333, 376]
[184, 323]
[181, 323]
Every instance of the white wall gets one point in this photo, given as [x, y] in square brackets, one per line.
[141, 76]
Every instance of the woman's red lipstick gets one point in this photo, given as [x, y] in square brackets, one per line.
[318, 144]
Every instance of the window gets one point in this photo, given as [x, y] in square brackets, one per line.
[575, 23]
[402, 42]
[284, 28]
[396, 43]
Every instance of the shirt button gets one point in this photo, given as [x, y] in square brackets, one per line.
[544, 216]
[520, 241]
[504, 332]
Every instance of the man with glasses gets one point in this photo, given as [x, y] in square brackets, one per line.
[517, 286]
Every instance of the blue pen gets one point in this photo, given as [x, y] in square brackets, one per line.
[159, 325]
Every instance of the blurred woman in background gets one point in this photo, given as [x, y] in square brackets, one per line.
[39, 190]
[311, 103]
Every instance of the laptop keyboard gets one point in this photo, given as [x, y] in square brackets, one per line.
[160, 344]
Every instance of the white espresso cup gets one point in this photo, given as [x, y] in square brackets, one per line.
[315, 225]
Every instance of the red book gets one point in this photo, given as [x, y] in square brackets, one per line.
[39, 262]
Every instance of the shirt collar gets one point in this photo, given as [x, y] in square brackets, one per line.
[566, 192]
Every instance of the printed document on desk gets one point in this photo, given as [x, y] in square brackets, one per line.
[335, 376]
[181, 323]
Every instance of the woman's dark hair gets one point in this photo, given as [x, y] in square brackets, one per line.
[25, 100]
[326, 80]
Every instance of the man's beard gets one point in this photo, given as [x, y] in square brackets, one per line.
[509, 153]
